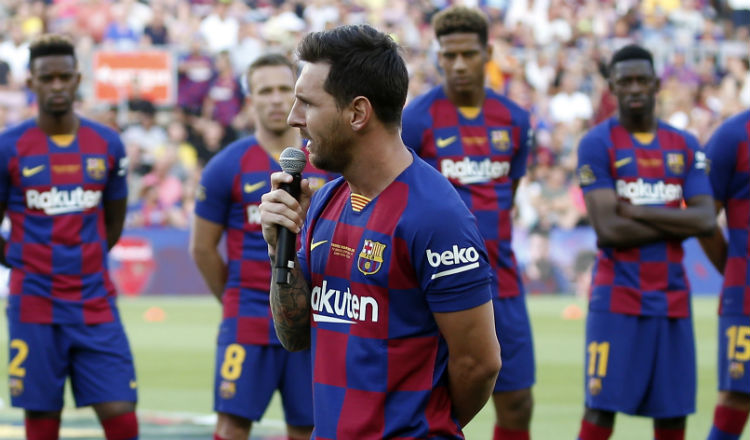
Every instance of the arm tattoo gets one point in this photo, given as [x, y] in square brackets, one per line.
[290, 306]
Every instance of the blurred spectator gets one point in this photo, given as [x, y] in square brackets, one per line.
[14, 50]
[119, 34]
[541, 274]
[195, 72]
[219, 28]
[144, 135]
[156, 30]
[224, 99]
[569, 103]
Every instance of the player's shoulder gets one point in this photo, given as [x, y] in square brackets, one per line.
[598, 136]
[421, 103]
[667, 130]
[106, 132]
[232, 153]
[431, 196]
[15, 131]
[735, 127]
[517, 113]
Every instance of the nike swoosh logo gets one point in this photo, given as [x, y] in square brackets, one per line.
[254, 187]
[315, 244]
[623, 161]
[442, 143]
[28, 172]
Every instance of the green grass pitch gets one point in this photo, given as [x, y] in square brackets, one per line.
[174, 359]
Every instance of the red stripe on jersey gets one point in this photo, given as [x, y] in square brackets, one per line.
[15, 283]
[329, 364]
[14, 172]
[345, 248]
[484, 196]
[605, 271]
[495, 113]
[97, 310]
[507, 282]
[367, 327]
[504, 225]
[674, 252]
[67, 287]
[620, 137]
[650, 163]
[626, 300]
[362, 415]
[234, 243]
[427, 145]
[743, 157]
[738, 213]
[411, 363]
[38, 258]
[631, 255]
[654, 275]
[735, 272]
[746, 301]
[388, 208]
[253, 330]
[16, 234]
[65, 168]
[67, 228]
[92, 258]
[438, 413]
[36, 309]
[33, 142]
[671, 140]
[337, 203]
[474, 140]
[91, 142]
[678, 304]
[231, 301]
[255, 159]
[443, 114]
[401, 273]
[255, 274]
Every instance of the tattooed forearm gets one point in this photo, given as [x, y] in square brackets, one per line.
[290, 306]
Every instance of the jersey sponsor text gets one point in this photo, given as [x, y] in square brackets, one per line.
[646, 193]
[56, 201]
[342, 304]
[466, 258]
[468, 171]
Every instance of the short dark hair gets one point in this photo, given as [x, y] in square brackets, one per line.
[461, 19]
[49, 45]
[268, 60]
[364, 62]
[631, 52]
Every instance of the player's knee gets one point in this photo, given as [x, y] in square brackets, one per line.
[740, 401]
[229, 426]
[299, 432]
[514, 407]
[599, 417]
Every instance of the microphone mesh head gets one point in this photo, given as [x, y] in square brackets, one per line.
[292, 160]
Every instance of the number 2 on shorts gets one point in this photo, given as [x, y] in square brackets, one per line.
[14, 367]
[739, 343]
[231, 368]
[598, 358]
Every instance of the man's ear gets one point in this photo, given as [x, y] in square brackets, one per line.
[361, 112]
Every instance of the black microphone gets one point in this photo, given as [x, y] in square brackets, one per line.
[292, 161]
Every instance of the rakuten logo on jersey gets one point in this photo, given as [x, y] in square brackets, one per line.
[645, 193]
[467, 171]
[463, 258]
[56, 201]
[347, 307]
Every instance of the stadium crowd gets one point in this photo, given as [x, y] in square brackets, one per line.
[549, 56]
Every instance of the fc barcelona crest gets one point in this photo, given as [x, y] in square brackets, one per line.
[736, 370]
[676, 162]
[227, 389]
[500, 140]
[96, 168]
[371, 257]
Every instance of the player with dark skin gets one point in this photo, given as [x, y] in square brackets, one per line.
[620, 224]
[55, 80]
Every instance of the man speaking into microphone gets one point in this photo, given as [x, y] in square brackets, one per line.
[391, 285]
[250, 362]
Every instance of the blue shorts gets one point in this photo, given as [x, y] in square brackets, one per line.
[96, 357]
[640, 365]
[734, 353]
[247, 376]
[516, 344]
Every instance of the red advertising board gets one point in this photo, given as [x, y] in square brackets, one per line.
[146, 74]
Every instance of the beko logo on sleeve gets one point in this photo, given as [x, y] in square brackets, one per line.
[464, 258]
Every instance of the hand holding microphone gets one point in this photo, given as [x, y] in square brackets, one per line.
[292, 161]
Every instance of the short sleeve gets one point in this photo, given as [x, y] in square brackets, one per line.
[213, 196]
[696, 178]
[526, 142]
[117, 185]
[593, 164]
[721, 156]
[412, 127]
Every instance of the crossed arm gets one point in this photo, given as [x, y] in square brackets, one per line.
[620, 224]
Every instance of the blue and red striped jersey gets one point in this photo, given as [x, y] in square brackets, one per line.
[57, 248]
[728, 152]
[378, 271]
[231, 187]
[481, 154]
[650, 279]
